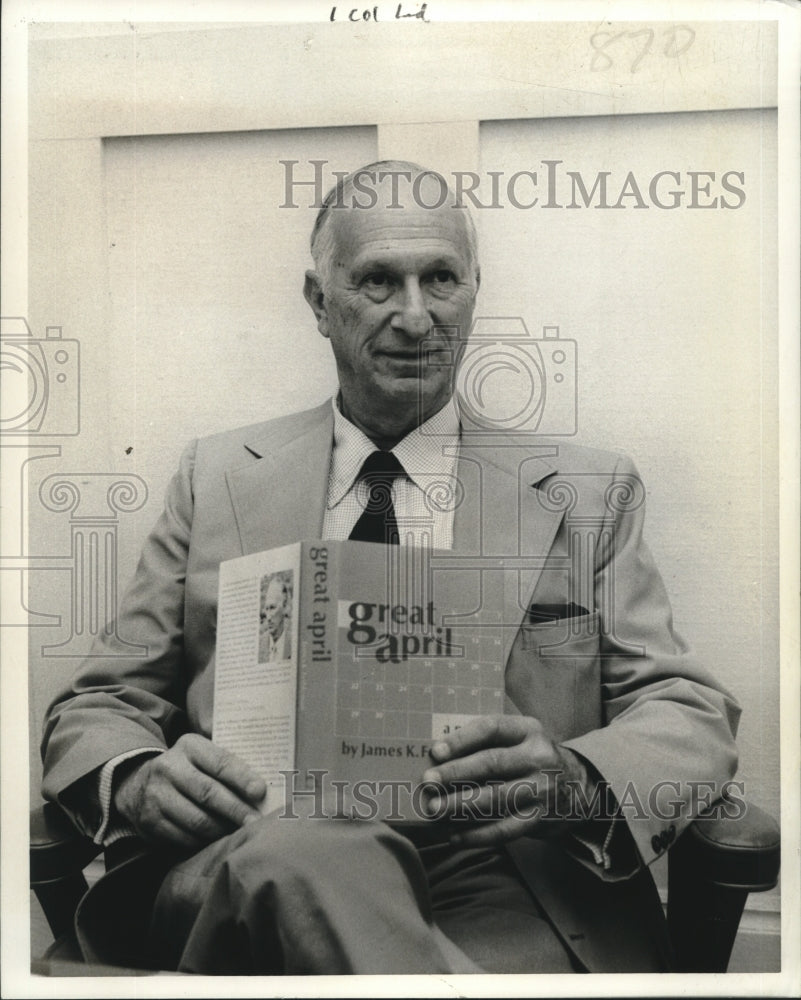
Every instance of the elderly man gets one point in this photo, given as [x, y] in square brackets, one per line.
[601, 694]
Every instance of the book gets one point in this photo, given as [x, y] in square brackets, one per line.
[339, 664]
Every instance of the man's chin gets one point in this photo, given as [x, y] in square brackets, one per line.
[412, 393]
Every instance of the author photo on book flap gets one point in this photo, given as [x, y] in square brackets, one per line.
[275, 621]
[548, 804]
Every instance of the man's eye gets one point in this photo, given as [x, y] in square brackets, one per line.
[444, 277]
[378, 286]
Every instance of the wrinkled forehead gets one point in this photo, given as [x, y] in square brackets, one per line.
[403, 219]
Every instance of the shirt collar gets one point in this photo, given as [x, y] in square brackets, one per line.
[428, 450]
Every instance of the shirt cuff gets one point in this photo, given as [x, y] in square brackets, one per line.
[112, 828]
[608, 852]
[598, 848]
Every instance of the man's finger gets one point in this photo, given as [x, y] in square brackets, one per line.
[487, 731]
[471, 802]
[196, 822]
[209, 796]
[227, 768]
[495, 762]
[160, 829]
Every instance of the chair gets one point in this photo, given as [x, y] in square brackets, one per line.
[711, 870]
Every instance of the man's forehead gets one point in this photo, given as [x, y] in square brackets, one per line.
[412, 227]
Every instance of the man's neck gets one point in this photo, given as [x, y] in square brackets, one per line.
[385, 437]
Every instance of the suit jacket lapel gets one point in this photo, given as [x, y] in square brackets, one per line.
[502, 523]
[279, 496]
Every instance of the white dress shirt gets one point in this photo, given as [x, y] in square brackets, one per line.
[424, 499]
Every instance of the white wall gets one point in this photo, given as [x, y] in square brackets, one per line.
[208, 326]
[675, 315]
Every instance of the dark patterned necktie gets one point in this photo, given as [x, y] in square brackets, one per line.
[377, 522]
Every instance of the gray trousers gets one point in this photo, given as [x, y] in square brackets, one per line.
[334, 896]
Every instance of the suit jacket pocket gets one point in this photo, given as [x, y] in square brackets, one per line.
[553, 674]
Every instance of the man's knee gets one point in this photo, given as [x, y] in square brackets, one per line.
[279, 846]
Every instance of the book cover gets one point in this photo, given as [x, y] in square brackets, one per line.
[340, 663]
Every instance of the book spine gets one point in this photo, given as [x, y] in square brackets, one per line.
[316, 715]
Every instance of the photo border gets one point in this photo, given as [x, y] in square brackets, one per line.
[14, 786]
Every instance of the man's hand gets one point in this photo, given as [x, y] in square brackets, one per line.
[190, 795]
[514, 780]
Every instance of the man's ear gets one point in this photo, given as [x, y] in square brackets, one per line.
[313, 292]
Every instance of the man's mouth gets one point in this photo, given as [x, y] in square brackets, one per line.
[406, 357]
[428, 355]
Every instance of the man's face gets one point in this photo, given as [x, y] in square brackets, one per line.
[398, 275]
[273, 610]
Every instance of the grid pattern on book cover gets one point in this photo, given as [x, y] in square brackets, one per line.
[396, 700]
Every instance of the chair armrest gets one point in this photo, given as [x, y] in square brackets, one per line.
[712, 867]
[57, 849]
[737, 851]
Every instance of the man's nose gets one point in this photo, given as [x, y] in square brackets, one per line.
[412, 316]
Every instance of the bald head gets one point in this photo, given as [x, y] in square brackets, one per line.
[399, 186]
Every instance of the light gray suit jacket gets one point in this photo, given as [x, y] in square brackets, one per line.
[556, 525]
